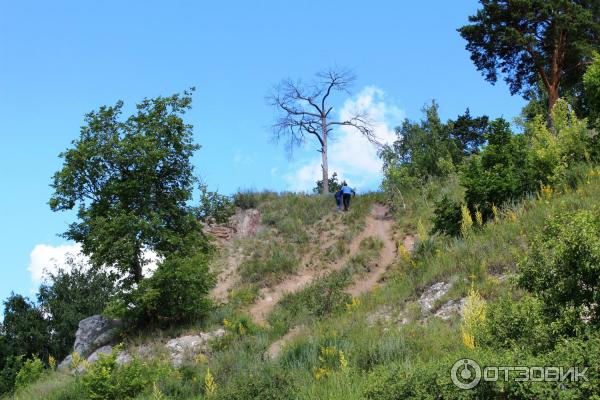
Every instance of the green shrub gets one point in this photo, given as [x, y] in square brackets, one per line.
[515, 324]
[31, 371]
[106, 380]
[215, 206]
[334, 184]
[432, 379]
[176, 293]
[447, 216]
[563, 267]
[501, 172]
[11, 365]
[246, 199]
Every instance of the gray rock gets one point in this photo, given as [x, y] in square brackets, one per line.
[123, 358]
[106, 350]
[432, 294]
[450, 308]
[94, 332]
[187, 347]
[66, 363]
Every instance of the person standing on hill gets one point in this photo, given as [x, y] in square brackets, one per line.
[347, 193]
[338, 199]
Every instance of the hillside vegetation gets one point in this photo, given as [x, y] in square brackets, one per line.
[483, 246]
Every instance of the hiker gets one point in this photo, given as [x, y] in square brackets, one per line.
[338, 199]
[347, 193]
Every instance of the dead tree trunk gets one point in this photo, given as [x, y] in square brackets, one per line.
[305, 113]
[324, 166]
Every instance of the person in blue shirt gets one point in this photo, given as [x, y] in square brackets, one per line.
[338, 199]
[347, 193]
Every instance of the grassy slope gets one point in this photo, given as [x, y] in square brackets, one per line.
[482, 260]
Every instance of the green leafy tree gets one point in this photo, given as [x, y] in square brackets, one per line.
[591, 84]
[130, 181]
[534, 42]
[176, 292]
[468, 133]
[500, 173]
[11, 365]
[70, 296]
[24, 327]
[215, 205]
[334, 184]
[421, 150]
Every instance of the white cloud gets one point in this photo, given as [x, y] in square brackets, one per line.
[46, 259]
[351, 155]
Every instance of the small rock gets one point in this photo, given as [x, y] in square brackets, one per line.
[432, 294]
[191, 345]
[123, 358]
[96, 354]
[449, 308]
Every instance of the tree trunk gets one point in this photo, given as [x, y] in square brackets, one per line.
[552, 97]
[324, 165]
[137, 266]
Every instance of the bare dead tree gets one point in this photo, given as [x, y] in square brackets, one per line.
[305, 113]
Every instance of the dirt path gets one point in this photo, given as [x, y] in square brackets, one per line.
[227, 277]
[378, 224]
[276, 347]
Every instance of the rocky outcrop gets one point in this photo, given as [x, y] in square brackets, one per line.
[94, 333]
[188, 347]
[242, 224]
[450, 308]
[432, 294]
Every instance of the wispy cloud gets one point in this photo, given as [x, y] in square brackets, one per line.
[351, 155]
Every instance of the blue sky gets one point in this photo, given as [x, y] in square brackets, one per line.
[61, 59]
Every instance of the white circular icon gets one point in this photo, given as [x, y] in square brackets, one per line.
[465, 373]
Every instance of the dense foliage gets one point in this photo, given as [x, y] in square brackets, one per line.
[68, 297]
[334, 184]
[130, 181]
[431, 148]
[534, 43]
[214, 206]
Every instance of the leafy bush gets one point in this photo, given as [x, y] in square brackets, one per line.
[563, 267]
[555, 148]
[500, 173]
[246, 199]
[432, 379]
[176, 293]
[30, 372]
[334, 185]
[516, 324]
[215, 206]
[447, 216]
[11, 365]
[106, 380]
